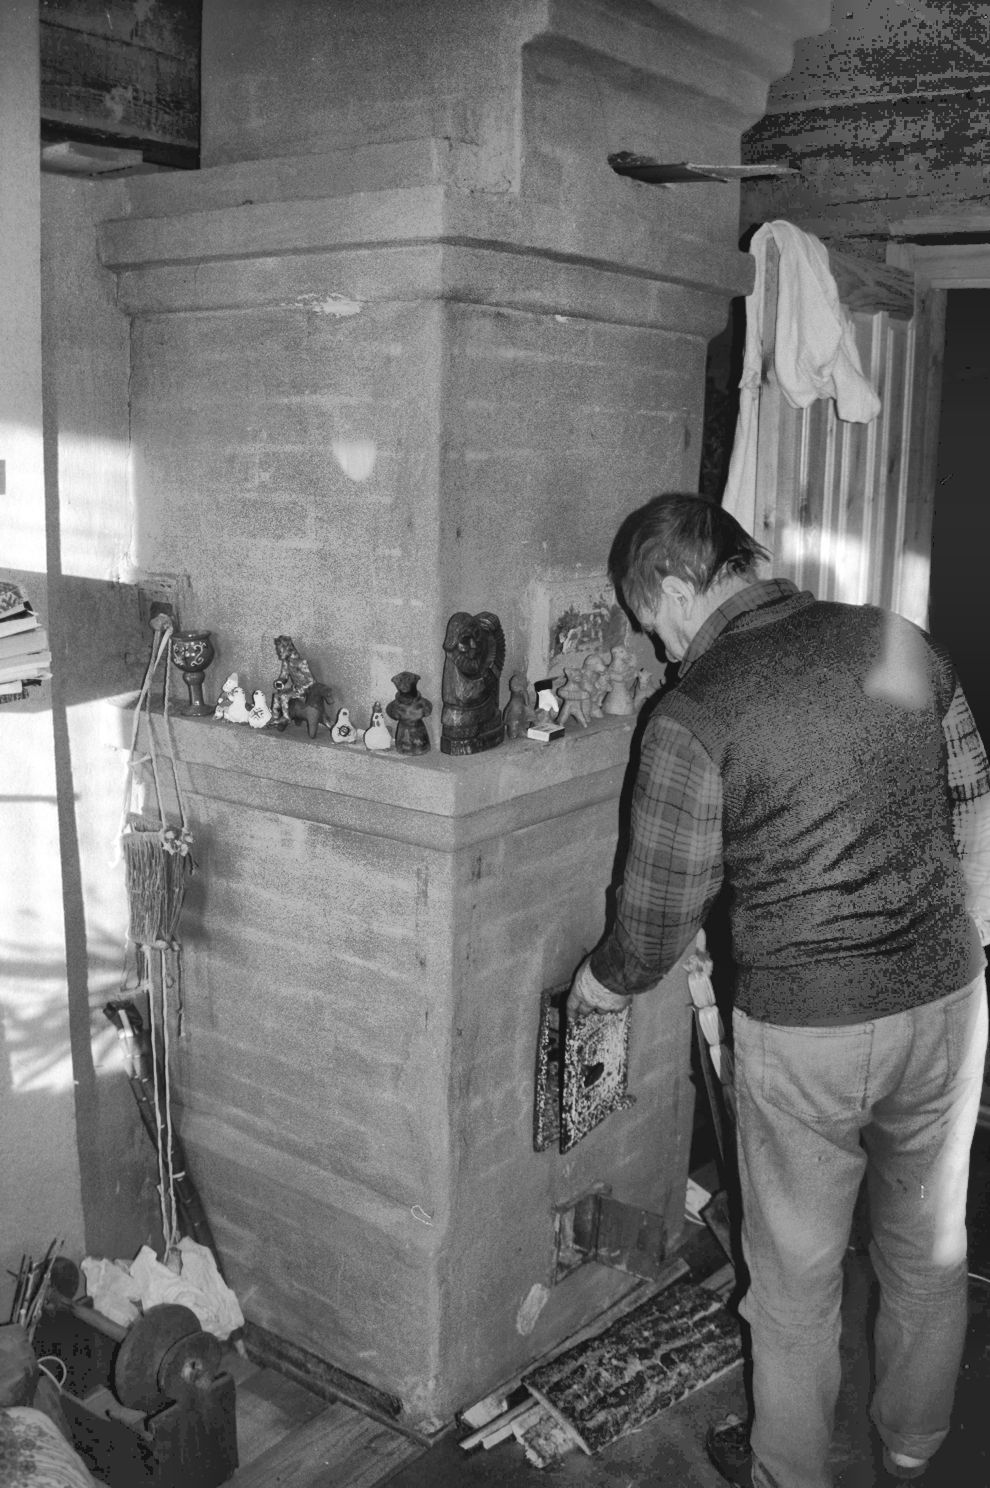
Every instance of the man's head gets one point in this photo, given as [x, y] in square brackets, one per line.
[675, 559]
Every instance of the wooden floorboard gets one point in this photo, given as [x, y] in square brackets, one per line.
[338, 1446]
[269, 1406]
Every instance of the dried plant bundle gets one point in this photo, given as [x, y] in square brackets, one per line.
[157, 867]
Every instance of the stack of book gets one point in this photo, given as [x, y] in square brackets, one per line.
[25, 659]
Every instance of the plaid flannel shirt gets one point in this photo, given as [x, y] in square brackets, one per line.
[674, 868]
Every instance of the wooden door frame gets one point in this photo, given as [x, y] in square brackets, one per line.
[940, 253]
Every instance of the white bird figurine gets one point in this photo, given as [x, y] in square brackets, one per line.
[237, 710]
[343, 731]
[377, 735]
[226, 693]
[259, 714]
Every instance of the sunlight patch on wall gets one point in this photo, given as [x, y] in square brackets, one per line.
[356, 457]
[912, 589]
[23, 545]
[32, 929]
[95, 506]
[35, 1066]
[830, 564]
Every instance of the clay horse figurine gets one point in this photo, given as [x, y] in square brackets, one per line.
[471, 720]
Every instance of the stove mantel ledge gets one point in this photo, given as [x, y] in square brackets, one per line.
[436, 800]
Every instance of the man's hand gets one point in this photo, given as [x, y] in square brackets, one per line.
[587, 995]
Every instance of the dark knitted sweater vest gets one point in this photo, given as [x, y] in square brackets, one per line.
[846, 896]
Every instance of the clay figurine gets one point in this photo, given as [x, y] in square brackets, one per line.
[516, 713]
[259, 714]
[313, 708]
[544, 726]
[574, 699]
[226, 694]
[646, 686]
[594, 674]
[294, 676]
[343, 730]
[547, 704]
[377, 734]
[409, 709]
[471, 720]
[236, 710]
[621, 673]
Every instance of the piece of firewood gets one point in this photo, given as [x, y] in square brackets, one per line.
[499, 1428]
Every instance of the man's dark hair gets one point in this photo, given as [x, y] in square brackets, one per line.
[681, 534]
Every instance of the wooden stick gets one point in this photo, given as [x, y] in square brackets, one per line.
[502, 1425]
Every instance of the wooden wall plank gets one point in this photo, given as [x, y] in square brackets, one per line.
[843, 499]
[122, 72]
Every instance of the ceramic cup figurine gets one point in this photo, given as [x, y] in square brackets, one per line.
[474, 648]
[409, 709]
[192, 652]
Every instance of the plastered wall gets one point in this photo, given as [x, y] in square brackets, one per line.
[885, 113]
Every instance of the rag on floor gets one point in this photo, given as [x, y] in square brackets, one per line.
[119, 1291]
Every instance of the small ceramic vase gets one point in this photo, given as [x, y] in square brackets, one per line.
[192, 652]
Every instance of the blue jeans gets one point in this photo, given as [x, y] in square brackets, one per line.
[897, 1099]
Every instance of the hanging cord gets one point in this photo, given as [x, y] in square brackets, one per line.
[172, 841]
[178, 842]
[163, 1128]
[169, 1135]
[158, 651]
[170, 742]
[162, 1201]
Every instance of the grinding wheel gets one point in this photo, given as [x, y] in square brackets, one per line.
[194, 1360]
[64, 1277]
[144, 1348]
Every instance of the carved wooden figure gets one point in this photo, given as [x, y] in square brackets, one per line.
[471, 720]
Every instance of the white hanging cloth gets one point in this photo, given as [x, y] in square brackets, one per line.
[814, 352]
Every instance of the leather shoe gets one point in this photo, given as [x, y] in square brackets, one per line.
[896, 1473]
[728, 1447]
